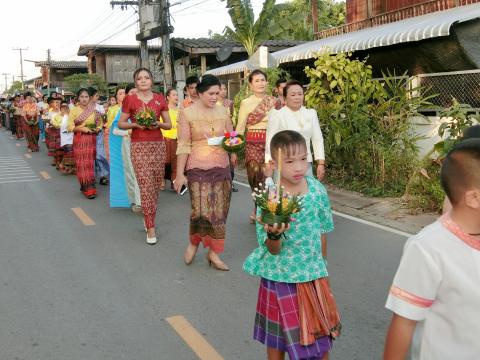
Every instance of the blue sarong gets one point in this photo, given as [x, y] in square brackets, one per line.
[118, 186]
[102, 168]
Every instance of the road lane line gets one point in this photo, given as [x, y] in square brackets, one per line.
[45, 175]
[9, 177]
[15, 181]
[28, 156]
[17, 144]
[353, 218]
[84, 218]
[19, 172]
[193, 339]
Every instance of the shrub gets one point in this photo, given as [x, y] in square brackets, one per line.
[369, 144]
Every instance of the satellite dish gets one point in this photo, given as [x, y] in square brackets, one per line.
[224, 53]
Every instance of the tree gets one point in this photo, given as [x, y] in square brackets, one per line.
[330, 14]
[217, 36]
[252, 33]
[77, 81]
[15, 87]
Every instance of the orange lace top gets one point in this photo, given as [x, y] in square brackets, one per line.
[195, 125]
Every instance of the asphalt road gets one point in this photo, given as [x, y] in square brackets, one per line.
[70, 291]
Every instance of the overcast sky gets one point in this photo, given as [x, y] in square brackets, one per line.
[63, 25]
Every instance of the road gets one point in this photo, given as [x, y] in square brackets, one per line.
[70, 291]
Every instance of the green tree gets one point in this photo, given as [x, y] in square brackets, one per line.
[15, 87]
[216, 36]
[252, 33]
[330, 14]
[77, 81]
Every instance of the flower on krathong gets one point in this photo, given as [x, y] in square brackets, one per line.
[276, 204]
[146, 116]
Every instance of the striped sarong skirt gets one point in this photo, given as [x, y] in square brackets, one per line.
[277, 322]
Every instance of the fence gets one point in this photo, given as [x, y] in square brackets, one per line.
[461, 85]
[464, 86]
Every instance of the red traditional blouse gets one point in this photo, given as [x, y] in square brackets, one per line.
[131, 104]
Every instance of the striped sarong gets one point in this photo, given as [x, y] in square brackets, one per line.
[277, 322]
[84, 151]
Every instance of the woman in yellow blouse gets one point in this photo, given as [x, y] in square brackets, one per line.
[111, 114]
[85, 122]
[170, 137]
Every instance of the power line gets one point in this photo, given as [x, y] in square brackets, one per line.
[189, 7]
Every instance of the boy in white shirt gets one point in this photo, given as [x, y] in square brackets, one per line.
[435, 295]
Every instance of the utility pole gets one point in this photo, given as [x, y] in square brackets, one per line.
[49, 61]
[143, 43]
[168, 78]
[21, 63]
[154, 18]
[5, 74]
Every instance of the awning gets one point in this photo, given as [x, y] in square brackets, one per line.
[413, 29]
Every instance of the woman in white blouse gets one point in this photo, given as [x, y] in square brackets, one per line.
[294, 116]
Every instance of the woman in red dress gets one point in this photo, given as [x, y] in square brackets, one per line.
[148, 149]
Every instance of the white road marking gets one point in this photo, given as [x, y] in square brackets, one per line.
[353, 218]
[15, 169]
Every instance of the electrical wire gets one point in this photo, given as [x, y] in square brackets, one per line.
[189, 7]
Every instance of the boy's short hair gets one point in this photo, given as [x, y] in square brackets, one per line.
[288, 140]
[461, 169]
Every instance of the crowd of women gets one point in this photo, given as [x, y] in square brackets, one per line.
[109, 145]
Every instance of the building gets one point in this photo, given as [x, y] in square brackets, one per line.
[117, 63]
[53, 73]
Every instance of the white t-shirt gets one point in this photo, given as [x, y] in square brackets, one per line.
[66, 138]
[438, 284]
[304, 121]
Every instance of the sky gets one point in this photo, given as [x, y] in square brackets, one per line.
[63, 25]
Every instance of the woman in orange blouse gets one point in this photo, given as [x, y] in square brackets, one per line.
[30, 114]
[200, 131]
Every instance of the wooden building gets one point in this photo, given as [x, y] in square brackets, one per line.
[55, 72]
[117, 63]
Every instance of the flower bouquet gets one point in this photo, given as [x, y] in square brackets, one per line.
[146, 117]
[233, 142]
[277, 205]
[92, 126]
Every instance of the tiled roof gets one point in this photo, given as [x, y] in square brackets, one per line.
[211, 45]
[216, 44]
[63, 64]
[84, 49]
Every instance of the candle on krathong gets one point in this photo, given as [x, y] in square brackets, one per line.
[279, 168]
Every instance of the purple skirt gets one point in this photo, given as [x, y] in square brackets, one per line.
[277, 323]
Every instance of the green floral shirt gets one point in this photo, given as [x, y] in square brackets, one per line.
[300, 259]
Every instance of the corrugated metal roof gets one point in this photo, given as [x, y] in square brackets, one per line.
[413, 29]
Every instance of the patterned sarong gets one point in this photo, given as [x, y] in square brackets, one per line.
[84, 151]
[277, 322]
[19, 126]
[53, 140]
[148, 160]
[67, 166]
[32, 133]
[210, 193]
[255, 157]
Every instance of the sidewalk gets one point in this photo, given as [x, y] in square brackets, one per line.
[384, 211]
